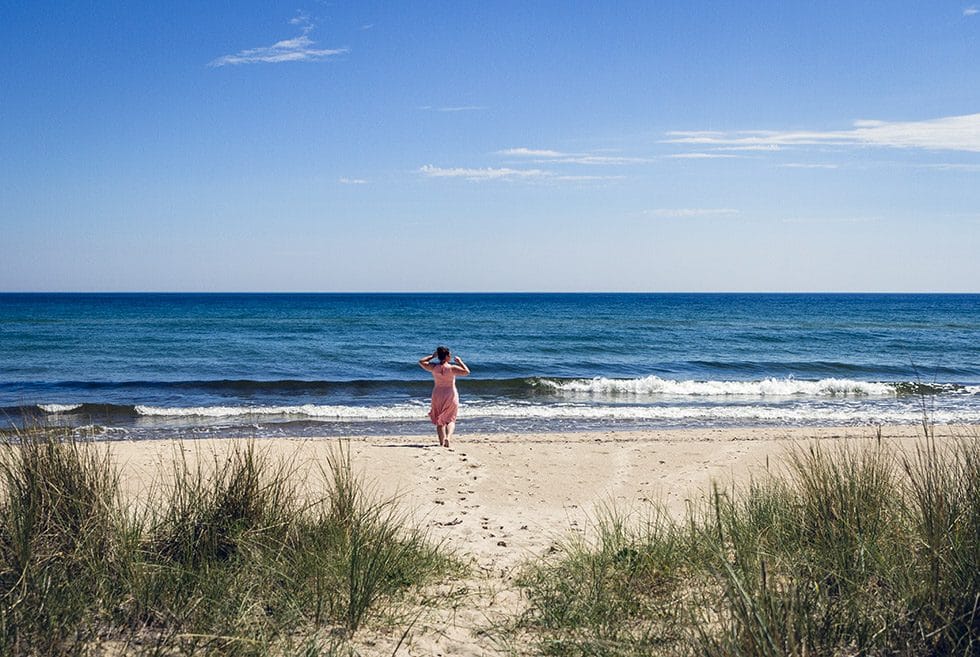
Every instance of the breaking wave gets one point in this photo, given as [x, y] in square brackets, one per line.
[59, 408]
[771, 387]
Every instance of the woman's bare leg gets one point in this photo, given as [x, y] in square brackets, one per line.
[441, 432]
[450, 428]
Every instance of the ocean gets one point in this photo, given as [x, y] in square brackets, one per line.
[165, 365]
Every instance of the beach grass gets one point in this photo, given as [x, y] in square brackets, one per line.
[62, 535]
[849, 550]
[223, 558]
[845, 548]
[616, 593]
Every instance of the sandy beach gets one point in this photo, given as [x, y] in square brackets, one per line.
[498, 500]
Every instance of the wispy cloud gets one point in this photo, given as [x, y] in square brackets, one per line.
[971, 11]
[681, 213]
[506, 173]
[352, 181]
[298, 49]
[489, 173]
[531, 152]
[600, 159]
[954, 133]
[558, 157]
[759, 147]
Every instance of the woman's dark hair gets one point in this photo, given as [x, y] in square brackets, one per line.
[442, 353]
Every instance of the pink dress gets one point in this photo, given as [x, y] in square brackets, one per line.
[445, 397]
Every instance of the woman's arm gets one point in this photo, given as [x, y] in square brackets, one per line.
[462, 370]
[425, 362]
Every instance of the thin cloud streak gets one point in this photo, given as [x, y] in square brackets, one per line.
[953, 133]
[558, 157]
[352, 181]
[502, 173]
[761, 147]
[600, 160]
[297, 49]
[505, 173]
[531, 152]
[971, 11]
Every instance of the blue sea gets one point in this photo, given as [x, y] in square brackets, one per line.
[161, 365]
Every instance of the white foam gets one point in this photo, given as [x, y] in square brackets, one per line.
[654, 385]
[792, 414]
[58, 408]
[789, 414]
[396, 412]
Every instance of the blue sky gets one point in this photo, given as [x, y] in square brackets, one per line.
[551, 146]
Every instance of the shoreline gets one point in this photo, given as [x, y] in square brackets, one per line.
[765, 432]
[421, 430]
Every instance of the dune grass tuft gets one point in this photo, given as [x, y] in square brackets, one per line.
[852, 550]
[226, 558]
[61, 531]
[589, 600]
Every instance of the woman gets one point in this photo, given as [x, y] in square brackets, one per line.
[445, 398]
